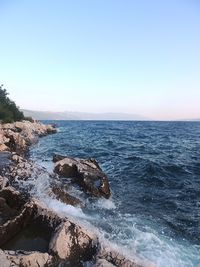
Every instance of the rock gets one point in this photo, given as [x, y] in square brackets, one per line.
[86, 173]
[57, 157]
[117, 259]
[3, 147]
[4, 261]
[23, 169]
[16, 142]
[103, 263]
[19, 135]
[31, 213]
[14, 225]
[71, 242]
[65, 197]
[3, 182]
[6, 212]
[3, 141]
[13, 213]
[13, 197]
[31, 259]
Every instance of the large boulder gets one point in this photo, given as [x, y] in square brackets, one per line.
[73, 243]
[85, 172]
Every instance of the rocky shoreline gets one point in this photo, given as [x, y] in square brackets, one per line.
[65, 243]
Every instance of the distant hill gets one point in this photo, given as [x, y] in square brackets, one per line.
[47, 115]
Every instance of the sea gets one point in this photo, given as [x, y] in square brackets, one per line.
[154, 175]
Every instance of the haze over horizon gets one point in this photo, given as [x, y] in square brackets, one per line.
[103, 56]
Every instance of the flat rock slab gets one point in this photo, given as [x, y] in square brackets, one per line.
[86, 173]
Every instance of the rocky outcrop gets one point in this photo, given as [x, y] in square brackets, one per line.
[19, 135]
[73, 243]
[69, 243]
[85, 172]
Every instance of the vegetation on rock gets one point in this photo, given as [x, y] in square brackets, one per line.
[9, 112]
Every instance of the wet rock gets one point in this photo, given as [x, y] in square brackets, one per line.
[71, 242]
[117, 259]
[23, 169]
[103, 263]
[57, 157]
[65, 197]
[87, 173]
[5, 157]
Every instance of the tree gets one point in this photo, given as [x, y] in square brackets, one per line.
[9, 112]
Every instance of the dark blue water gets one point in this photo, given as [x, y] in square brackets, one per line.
[154, 174]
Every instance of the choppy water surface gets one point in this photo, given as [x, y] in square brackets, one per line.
[154, 174]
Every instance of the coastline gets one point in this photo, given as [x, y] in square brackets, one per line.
[69, 243]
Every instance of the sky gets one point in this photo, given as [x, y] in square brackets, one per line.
[140, 57]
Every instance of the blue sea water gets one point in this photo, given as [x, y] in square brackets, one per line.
[154, 174]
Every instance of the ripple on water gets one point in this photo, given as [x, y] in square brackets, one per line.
[154, 172]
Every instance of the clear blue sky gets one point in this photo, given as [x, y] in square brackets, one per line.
[128, 56]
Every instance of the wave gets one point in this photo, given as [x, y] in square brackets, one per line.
[155, 185]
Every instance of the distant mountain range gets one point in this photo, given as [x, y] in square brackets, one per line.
[67, 115]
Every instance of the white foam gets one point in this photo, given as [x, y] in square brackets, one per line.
[107, 204]
[64, 210]
[120, 231]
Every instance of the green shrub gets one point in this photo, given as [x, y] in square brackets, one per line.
[9, 112]
[29, 119]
